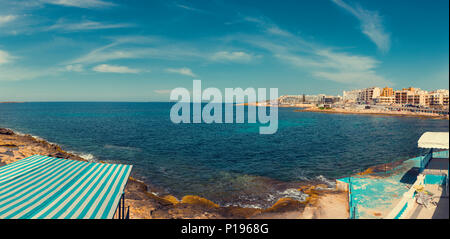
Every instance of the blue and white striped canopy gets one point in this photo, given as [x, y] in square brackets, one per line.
[46, 187]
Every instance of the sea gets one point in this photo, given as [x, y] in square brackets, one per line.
[229, 164]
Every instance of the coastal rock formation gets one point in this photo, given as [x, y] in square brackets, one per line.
[146, 205]
[6, 131]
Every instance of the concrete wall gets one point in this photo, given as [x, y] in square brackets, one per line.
[403, 208]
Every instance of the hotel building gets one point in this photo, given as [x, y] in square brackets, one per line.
[439, 98]
[369, 94]
[351, 96]
[386, 97]
[411, 96]
[387, 92]
[385, 100]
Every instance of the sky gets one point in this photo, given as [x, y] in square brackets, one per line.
[134, 50]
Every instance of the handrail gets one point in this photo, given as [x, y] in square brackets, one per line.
[425, 160]
[128, 213]
[120, 210]
[352, 206]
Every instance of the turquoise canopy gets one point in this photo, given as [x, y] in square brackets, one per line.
[46, 187]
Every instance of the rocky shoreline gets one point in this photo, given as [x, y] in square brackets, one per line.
[147, 205]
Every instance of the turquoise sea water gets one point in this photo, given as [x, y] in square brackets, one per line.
[231, 164]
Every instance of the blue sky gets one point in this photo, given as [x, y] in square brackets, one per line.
[134, 50]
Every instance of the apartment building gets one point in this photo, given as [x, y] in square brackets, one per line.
[412, 96]
[351, 96]
[386, 97]
[384, 100]
[438, 98]
[387, 92]
[369, 94]
[308, 99]
[290, 99]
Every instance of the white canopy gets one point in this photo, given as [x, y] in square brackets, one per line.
[435, 140]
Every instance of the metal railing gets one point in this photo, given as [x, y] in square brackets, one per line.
[425, 160]
[353, 209]
[120, 211]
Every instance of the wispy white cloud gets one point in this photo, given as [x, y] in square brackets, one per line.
[371, 25]
[182, 71]
[84, 26]
[338, 67]
[102, 56]
[125, 48]
[74, 68]
[154, 47]
[35, 4]
[192, 9]
[5, 57]
[275, 30]
[268, 26]
[80, 3]
[371, 78]
[321, 62]
[347, 62]
[108, 52]
[105, 68]
[24, 22]
[143, 48]
[6, 19]
[10, 72]
[20, 73]
[15, 17]
[235, 56]
[349, 68]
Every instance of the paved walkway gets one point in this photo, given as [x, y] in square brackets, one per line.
[441, 211]
[375, 195]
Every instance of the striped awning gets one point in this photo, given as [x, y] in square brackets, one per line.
[46, 187]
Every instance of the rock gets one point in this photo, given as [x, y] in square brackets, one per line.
[8, 153]
[58, 155]
[9, 145]
[6, 131]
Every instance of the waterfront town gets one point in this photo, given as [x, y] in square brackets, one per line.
[376, 100]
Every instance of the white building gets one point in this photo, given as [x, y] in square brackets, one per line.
[351, 96]
[369, 94]
[439, 98]
[384, 100]
[362, 96]
[412, 96]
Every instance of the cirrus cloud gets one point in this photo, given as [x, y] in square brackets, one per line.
[74, 68]
[322, 62]
[371, 25]
[80, 3]
[105, 68]
[237, 56]
[6, 19]
[84, 26]
[5, 57]
[182, 71]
